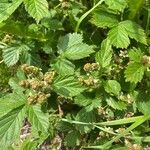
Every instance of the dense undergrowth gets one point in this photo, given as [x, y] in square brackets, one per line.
[75, 74]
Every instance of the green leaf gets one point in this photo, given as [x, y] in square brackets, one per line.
[64, 126]
[84, 100]
[143, 102]
[134, 72]
[64, 67]
[112, 87]
[134, 31]
[135, 55]
[78, 51]
[103, 57]
[36, 8]
[118, 5]
[120, 105]
[85, 115]
[22, 30]
[72, 139]
[104, 19]
[11, 101]
[38, 119]
[14, 84]
[67, 86]
[28, 144]
[68, 41]
[10, 125]
[72, 47]
[118, 36]
[134, 7]
[6, 8]
[11, 53]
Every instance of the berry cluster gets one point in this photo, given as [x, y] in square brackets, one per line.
[89, 79]
[89, 67]
[38, 83]
[146, 60]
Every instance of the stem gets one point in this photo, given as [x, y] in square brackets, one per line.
[107, 123]
[57, 6]
[130, 128]
[84, 123]
[86, 14]
[148, 21]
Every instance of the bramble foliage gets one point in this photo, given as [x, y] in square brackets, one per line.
[75, 74]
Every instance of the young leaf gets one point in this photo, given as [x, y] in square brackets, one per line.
[135, 55]
[64, 67]
[67, 86]
[103, 57]
[78, 51]
[104, 19]
[134, 31]
[10, 125]
[118, 37]
[119, 5]
[112, 87]
[72, 139]
[36, 8]
[134, 72]
[38, 119]
[6, 9]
